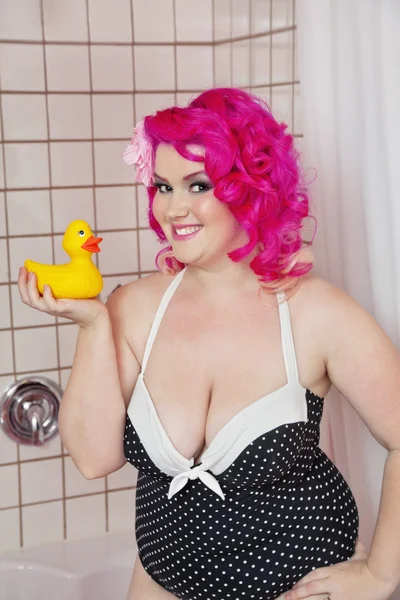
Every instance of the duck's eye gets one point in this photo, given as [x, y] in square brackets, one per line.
[81, 232]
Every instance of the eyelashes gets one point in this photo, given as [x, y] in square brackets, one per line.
[201, 184]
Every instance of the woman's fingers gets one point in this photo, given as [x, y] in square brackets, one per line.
[27, 285]
[359, 554]
[33, 292]
[53, 305]
[22, 285]
[28, 290]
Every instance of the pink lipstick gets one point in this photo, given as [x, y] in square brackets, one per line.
[185, 236]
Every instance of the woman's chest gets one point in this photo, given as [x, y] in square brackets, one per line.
[206, 368]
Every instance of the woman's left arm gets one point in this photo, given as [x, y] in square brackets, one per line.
[364, 365]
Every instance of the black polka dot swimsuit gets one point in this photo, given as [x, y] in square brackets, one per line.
[262, 507]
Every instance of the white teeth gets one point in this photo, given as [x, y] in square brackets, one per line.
[187, 230]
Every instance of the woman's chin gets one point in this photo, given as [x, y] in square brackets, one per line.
[188, 258]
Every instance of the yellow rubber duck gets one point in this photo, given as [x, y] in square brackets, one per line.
[79, 278]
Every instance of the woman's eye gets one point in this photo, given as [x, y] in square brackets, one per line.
[161, 185]
[202, 185]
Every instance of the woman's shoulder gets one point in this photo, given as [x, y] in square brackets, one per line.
[320, 303]
[134, 305]
[147, 283]
[139, 297]
[319, 291]
[315, 294]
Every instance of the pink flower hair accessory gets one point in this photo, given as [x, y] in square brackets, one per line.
[140, 153]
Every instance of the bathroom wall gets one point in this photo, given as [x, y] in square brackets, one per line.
[75, 76]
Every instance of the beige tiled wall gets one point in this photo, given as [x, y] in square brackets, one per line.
[75, 76]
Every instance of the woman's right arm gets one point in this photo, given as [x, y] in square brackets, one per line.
[93, 409]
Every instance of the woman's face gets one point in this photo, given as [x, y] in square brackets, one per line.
[200, 228]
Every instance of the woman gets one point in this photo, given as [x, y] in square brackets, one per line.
[214, 370]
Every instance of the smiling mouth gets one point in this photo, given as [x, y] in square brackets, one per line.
[185, 233]
[187, 230]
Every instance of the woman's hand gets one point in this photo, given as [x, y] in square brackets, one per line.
[349, 580]
[86, 313]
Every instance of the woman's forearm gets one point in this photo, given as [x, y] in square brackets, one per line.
[92, 412]
[384, 556]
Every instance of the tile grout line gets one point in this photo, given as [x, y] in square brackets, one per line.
[136, 188]
[149, 92]
[12, 331]
[230, 39]
[71, 497]
[293, 58]
[105, 276]
[250, 67]
[271, 43]
[93, 188]
[152, 43]
[175, 53]
[57, 331]
[213, 41]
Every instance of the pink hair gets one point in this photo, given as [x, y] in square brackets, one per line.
[254, 167]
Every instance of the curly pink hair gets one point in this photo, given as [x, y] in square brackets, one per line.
[254, 167]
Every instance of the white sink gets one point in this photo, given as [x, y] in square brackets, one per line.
[93, 569]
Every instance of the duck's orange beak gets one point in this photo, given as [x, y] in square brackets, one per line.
[91, 244]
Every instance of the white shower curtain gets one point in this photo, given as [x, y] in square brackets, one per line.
[349, 70]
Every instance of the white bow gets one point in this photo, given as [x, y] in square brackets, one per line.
[180, 480]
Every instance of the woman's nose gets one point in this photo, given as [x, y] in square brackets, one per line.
[176, 207]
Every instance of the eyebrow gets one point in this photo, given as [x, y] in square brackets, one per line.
[184, 179]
